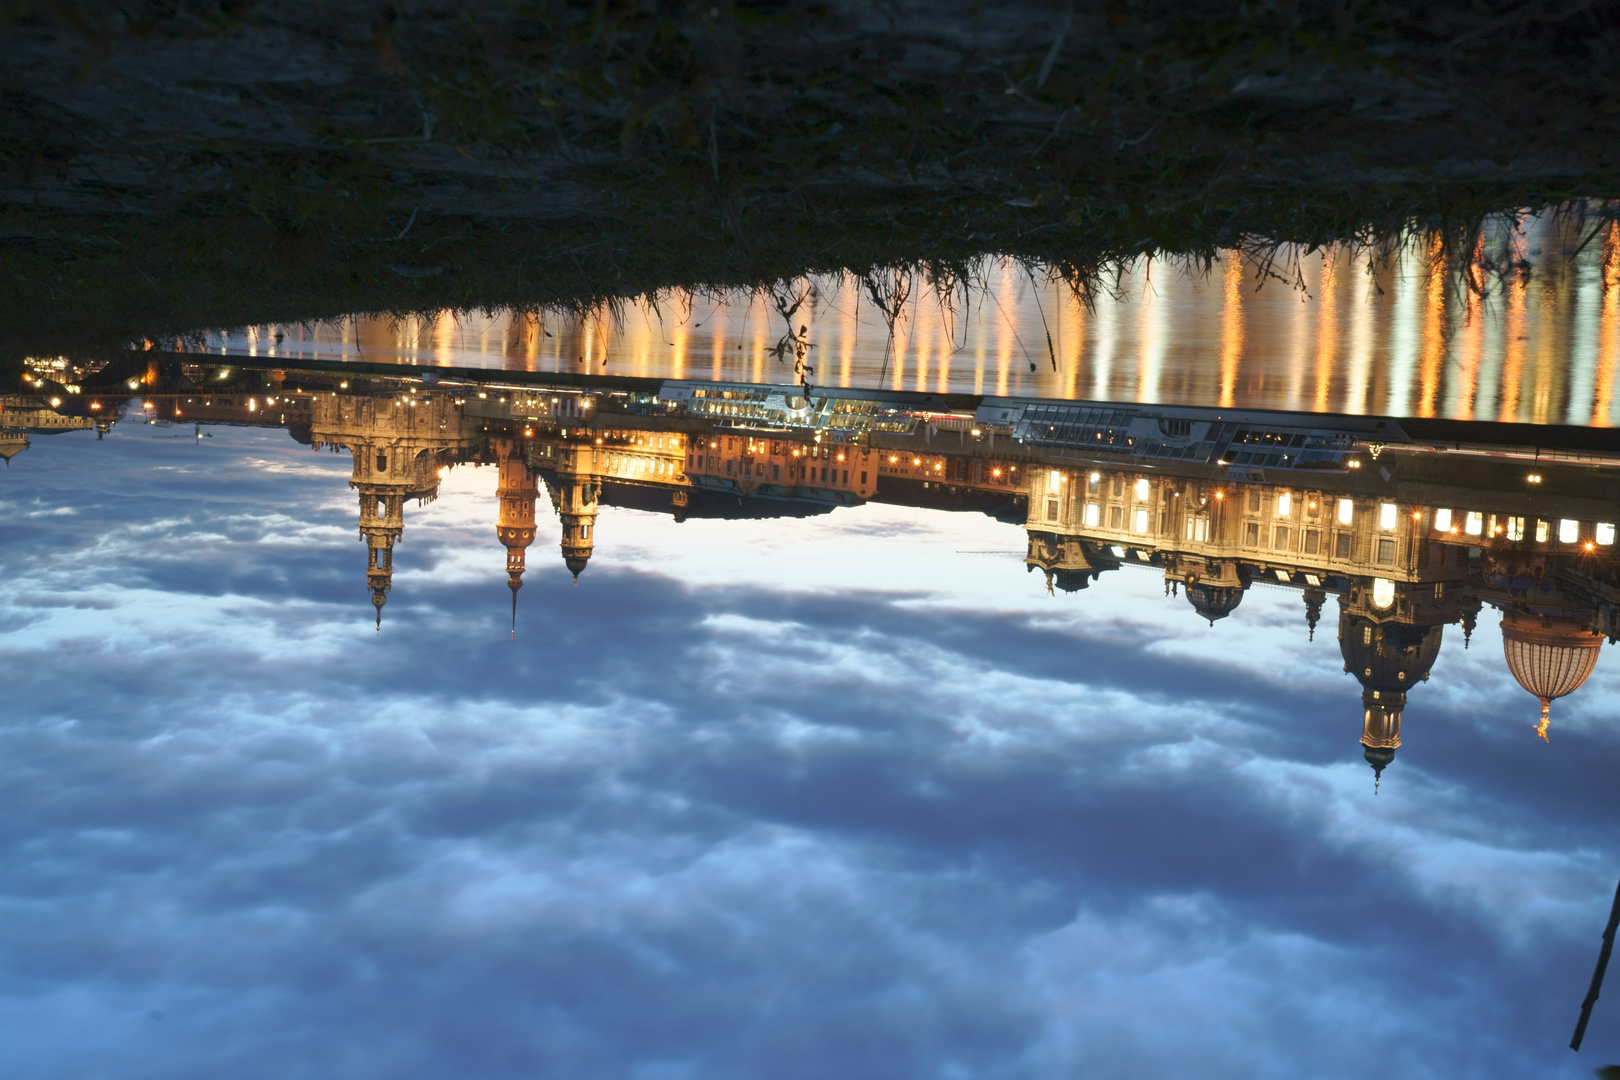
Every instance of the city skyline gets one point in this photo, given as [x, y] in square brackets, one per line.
[1405, 553]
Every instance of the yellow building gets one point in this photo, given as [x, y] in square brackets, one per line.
[402, 445]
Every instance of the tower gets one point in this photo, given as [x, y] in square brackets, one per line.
[382, 523]
[401, 445]
[1387, 657]
[576, 506]
[515, 494]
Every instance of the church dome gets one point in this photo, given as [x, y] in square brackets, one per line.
[1068, 579]
[575, 563]
[1387, 657]
[1549, 656]
[1214, 601]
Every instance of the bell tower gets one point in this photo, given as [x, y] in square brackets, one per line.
[576, 505]
[382, 522]
[514, 521]
[1388, 655]
[401, 445]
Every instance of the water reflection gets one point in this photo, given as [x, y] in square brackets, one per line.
[1341, 333]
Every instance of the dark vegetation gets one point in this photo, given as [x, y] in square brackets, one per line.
[166, 166]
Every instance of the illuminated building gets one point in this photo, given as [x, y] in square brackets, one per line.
[400, 445]
[515, 495]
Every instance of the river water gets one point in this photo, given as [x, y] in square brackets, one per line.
[1328, 331]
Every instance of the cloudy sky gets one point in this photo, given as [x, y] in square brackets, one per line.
[844, 796]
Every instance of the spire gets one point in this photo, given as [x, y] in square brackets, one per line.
[1470, 606]
[514, 583]
[379, 597]
[1541, 728]
[1314, 598]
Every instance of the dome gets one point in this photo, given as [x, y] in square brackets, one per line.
[1390, 658]
[576, 563]
[1069, 579]
[1379, 758]
[1214, 601]
[1550, 657]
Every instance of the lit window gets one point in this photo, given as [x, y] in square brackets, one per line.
[1285, 503]
[1140, 520]
[1604, 533]
[1387, 513]
[1092, 482]
[1541, 532]
[1568, 531]
[1093, 515]
[1383, 593]
[1052, 480]
[1141, 494]
[1442, 520]
[1119, 552]
[1515, 528]
[1347, 511]
[1474, 524]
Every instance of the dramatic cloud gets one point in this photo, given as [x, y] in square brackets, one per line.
[833, 796]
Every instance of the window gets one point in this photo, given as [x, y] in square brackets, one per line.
[1051, 509]
[1093, 515]
[1141, 493]
[1347, 511]
[1279, 542]
[1285, 503]
[1383, 592]
[1515, 528]
[1474, 523]
[1541, 531]
[1386, 551]
[846, 476]
[1442, 520]
[1197, 527]
[1386, 516]
[1116, 517]
[1093, 482]
[1343, 546]
[1254, 502]
[1117, 486]
[1604, 533]
[1251, 533]
[382, 462]
[1568, 531]
[1313, 541]
[1052, 481]
[1439, 590]
[1140, 522]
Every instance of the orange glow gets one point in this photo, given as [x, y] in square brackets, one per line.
[1434, 340]
[1231, 328]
